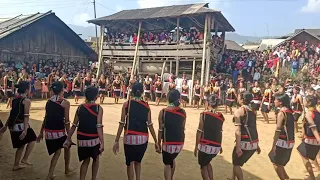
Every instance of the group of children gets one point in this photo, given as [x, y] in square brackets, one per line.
[137, 125]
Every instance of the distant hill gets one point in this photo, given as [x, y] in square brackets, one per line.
[90, 31]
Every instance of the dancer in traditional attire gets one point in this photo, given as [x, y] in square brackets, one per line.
[131, 82]
[64, 81]
[231, 98]
[116, 86]
[88, 120]
[76, 85]
[266, 102]
[283, 140]
[136, 119]
[158, 90]
[171, 86]
[241, 88]
[297, 106]
[216, 90]
[102, 83]
[172, 120]
[257, 96]
[56, 126]
[18, 122]
[87, 81]
[147, 89]
[247, 141]
[184, 93]
[197, 94]
[310, 146]
[206, 94]
[9, 88]
[209, 137]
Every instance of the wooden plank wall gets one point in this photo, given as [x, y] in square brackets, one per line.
[39, 38]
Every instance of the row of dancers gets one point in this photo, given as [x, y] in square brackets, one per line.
[137, 124]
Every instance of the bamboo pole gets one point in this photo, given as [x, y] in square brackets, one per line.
[192, 79]
[134, 63]
[162, 71]
[178, 40]
[208, 58]
[100, 59]
[170, 66]
[204, 50]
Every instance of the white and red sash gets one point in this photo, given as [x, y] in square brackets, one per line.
[54, 134]
[311, 141]
[245, 145]
[135, 139]
[285, 144]
[18, 127]
[172, 147]
[88, 143]
[208, 149]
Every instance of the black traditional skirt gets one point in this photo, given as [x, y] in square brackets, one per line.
[204, 159]
[230, 102]
[196, 98]
[116, 93]
[17, 143]
[9, 94]
[168, 158]
[264, 108]
[246, 155]
[158, 95]
[134, 153]
[308, 151]
[85, 152]
[77, 93]
[53, 145]
[147, 95]
[255, 104]
[185, 98]
[282, 156]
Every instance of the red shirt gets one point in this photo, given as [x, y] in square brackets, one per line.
[275, 62]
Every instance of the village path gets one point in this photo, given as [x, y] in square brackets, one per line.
[112, 167]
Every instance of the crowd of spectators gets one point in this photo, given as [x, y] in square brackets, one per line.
[192, 35]
[297, 57]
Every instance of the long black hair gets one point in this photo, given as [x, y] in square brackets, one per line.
[174, 97]
[57, 87]
[311, 101]
[137, 89]
[246, 97]
[23, 86]
[91, 93]
[285, 100]
[212, 101]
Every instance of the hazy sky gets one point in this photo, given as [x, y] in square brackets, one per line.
[248, 17]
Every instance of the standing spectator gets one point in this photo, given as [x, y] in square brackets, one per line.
[295, 67]
[257, 75]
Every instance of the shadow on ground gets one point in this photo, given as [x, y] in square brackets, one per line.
[111, 166]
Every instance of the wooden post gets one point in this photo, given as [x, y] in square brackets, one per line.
[204, 50]
[208, 56]
[163, 66]
[170, 67]
[178, 40]
[134, 63]
[100, 58]
[192, 79]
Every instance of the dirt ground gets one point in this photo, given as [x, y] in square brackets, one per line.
[112, 167]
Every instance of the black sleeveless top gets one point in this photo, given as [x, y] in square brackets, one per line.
[185, 90]
[249, 131]
[230, 94]
[77, 84]
[316, 119]
[288, 122]
[9, 83]
[158, 86]
[54, 119]
[87, 83]
[212, 128]
[256, 92]
[117, 84]
[173, 125]
[88, 116]
[147, 86]
[17, 112]
[197, 90]
[102, 85]
[138, 117]
[172, 86]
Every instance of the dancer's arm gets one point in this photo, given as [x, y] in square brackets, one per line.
[100, 129]
[66, 105]
[26, 115]
[161, 126]
[312, 126]
[199, 134]
[237, 115]
[280, 119]
[122, 122]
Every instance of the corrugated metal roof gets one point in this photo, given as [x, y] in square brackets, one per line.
[232, 45]
[11, 25]
[164, 12]
[296, 34]
[157, 12]
[310, 31]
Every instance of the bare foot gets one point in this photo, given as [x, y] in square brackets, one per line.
[70, 170]
[17, 168]
[26, 163]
